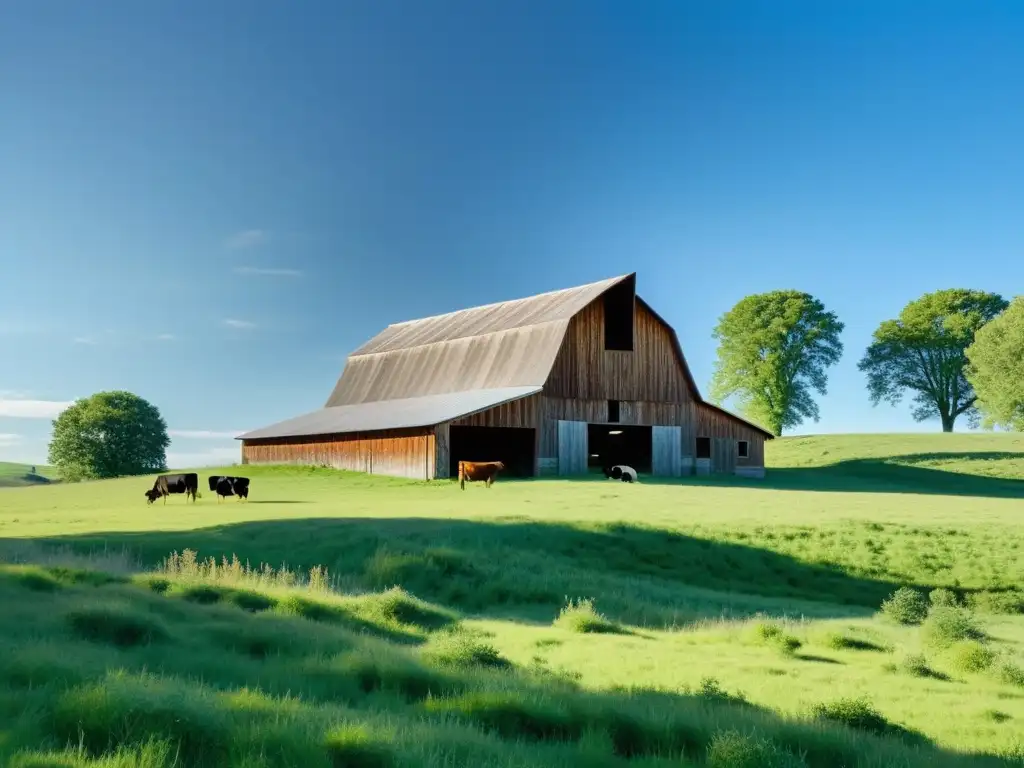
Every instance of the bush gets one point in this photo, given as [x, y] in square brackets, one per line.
[732, 749]
[771, 634]
[943, 597]
[1010, 674]
[837, 641]
[581, 616]
[1009, 602]
[945, 626]
[972, 656]
[463, 649]
[855, 713]
[906, 606]
[917, 665]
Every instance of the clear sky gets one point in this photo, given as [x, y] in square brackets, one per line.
[210, 203]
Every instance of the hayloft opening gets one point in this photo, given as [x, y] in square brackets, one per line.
[618, 317]
[610, 444]
[513, 446]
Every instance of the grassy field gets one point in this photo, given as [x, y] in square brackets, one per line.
[559, 623]
[17, 475]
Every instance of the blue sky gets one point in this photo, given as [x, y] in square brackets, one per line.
[211, 203]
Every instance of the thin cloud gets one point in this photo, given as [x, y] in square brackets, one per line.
[268, 271]
[166, 337]
[23, 408]
[240, 324]
[85, 340]
[248, 238]
[204, 434]
[8, 439]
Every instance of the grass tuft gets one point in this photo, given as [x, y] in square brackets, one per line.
[1009, 673]
[856, 713]
[512, 715]
[839, 641]
[732, 749]
[460, 648]
[772, 635]
[581, 616]
[354, 746]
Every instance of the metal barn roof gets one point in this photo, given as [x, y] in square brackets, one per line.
[400, 413]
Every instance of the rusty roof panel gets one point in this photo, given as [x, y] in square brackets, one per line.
[399, 413]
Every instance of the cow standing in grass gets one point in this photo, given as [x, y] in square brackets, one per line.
[224, 485]
[165, 485]
[478, 470]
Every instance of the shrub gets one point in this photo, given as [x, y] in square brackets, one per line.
[122, 628]
[943, 597]
[972, 656]
[855, 713]
[463, 649]
[837, 641]
[917, 665]
[732, 749]
[906, 606]
[945, 626]
[1010, 674]
[1008, 602]
[771, 634]
[581, 616]
[33, 578]
[352, 746]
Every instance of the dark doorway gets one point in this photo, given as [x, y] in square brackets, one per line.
[513, 446]
[610, 444]
[703, 447]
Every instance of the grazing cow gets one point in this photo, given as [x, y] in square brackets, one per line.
[225, 485]
[621, 472]
[165, 485]
[478, 470]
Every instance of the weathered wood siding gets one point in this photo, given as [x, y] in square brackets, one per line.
[402, 453]
[572, 447]
[666, 451]
[711, 422]
[585, 370]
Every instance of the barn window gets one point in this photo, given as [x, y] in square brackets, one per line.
[743, 449]
[613, 410]
[618, 317]
[703, 447]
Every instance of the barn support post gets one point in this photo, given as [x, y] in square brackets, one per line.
[442, 451]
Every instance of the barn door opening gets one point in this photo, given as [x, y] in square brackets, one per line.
[611, 444]
[513, 446]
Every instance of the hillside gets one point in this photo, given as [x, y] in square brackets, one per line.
[717, 622]
[16, 475]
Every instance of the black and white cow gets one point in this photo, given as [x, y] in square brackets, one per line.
[165, 485]
[620, 472]
[225, 485]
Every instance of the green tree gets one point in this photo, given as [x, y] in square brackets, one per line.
[922, 352]
[773, 349]
[996, 368]
[109, 435]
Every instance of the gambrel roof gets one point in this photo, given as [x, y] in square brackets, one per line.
[435, 369]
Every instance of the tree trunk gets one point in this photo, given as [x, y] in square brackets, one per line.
[947, 423]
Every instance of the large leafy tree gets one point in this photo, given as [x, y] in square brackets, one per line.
[109, 435]
[922, 353]
[996, 368]
[773, 350]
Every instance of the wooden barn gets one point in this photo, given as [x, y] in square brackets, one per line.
[561, 383]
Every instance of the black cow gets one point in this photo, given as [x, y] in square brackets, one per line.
[165, 485]
[225, 485]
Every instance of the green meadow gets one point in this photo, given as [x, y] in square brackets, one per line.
[16, 475]
[336, 619]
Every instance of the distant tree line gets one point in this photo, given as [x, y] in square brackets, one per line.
[953, 353]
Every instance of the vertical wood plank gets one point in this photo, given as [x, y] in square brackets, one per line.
[572, 447]
[666, 451]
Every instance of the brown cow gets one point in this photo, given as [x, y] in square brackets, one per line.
[478, 470]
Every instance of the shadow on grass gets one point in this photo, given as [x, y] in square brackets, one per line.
[894, 474]
[526, 570]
